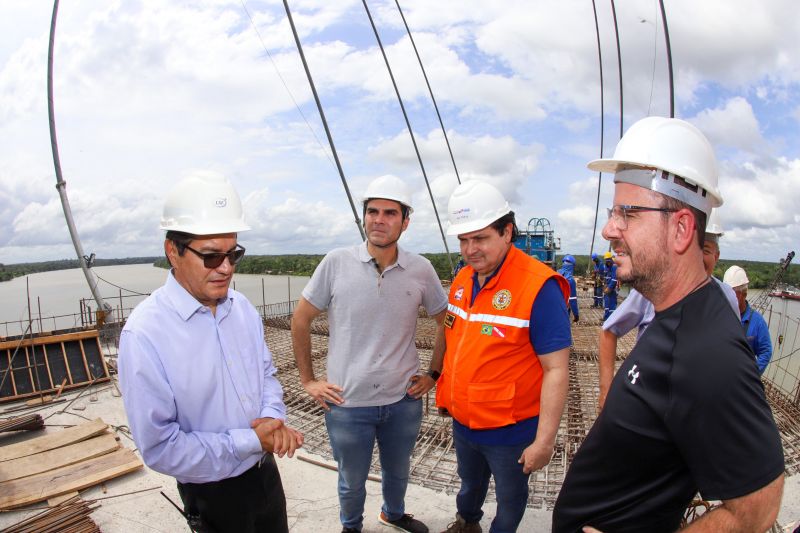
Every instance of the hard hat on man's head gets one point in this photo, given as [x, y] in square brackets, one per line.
[608, 255]
[473, 206]
[389, 187]
[595, 256]
[713, 227]
[683, 159]
[736, 277]
[204, 203]
[568, 259]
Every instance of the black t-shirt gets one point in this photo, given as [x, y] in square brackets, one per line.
[686, 412]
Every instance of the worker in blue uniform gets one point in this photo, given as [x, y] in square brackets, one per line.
[567, 270]
[755, 327]
[599, 273]
[611, 285]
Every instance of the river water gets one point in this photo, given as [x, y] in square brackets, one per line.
[58, 293]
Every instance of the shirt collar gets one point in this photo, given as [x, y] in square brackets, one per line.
[187, 305]
[364, 257]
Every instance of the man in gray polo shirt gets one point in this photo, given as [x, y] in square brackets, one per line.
[374, 385]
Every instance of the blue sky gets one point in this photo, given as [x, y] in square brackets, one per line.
[147, 92]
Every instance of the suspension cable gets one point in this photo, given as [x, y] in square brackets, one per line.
[602, 125]
[324, 121]
[669, 60]
[410, 131]
[436, 107]
[619, 64]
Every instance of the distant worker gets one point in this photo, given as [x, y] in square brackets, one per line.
[637, 311]
[374, 384]
[755, 327]
[567, 270]
[598, 279]
[506, 359]
[611, 286]
[197, 379]
[686, 412]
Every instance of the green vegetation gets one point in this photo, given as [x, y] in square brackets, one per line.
[9, 272]
[760, 273]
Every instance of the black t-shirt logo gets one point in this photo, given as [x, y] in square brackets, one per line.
[633, 375]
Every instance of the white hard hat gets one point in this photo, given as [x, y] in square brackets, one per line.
[389, 187]
[713, 227]
[736, 277]
[671, 145]
[473, 206]
[203, 204]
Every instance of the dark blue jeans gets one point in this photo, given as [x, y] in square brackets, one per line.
[353, 432]
[476, 462]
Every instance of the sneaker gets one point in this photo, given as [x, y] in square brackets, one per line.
[350, 530]
[462, 526]
[407, 522]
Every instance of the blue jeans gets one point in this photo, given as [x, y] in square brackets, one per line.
[353, 432]
[610, 303]
[476, 462]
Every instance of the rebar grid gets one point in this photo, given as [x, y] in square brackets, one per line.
[433, 461]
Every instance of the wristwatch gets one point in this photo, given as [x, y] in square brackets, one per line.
[434, 374]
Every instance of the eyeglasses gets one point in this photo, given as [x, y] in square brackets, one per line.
[619, 213]
[215, 259]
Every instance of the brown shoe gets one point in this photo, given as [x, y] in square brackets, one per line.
[462, 526]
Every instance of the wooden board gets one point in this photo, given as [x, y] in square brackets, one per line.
[37, 365]
[52, 459]
[40, 487]
[53, 440]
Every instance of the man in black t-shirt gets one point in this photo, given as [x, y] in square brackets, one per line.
[686, 412]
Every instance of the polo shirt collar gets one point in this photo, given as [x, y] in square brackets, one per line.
[402, 256]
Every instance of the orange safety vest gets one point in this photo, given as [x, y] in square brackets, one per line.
[491, 376]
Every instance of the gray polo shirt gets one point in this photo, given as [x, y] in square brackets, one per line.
[372, 319]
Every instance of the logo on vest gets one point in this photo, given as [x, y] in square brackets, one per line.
[458, 294]
[501, 299]
[449, 320]
[492, 331]
[633, 375]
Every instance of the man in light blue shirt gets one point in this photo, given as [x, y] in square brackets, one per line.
[197, 379]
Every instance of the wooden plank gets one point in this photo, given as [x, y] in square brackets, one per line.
[50, 339]
[53, 440]
[58, 500]
[58, 457]
[79, 476]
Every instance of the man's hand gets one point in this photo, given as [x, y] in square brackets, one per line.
[276, 437]
[535, 456]
[606, 291]
[575, 319]
[420, 385]
[324, 392]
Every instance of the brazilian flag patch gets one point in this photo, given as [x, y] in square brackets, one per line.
[486, 329]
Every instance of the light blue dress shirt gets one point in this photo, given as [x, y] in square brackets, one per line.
[192, 382]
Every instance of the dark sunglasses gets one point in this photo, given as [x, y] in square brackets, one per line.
[215, 259]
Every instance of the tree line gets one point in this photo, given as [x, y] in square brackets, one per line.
[759, 273]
